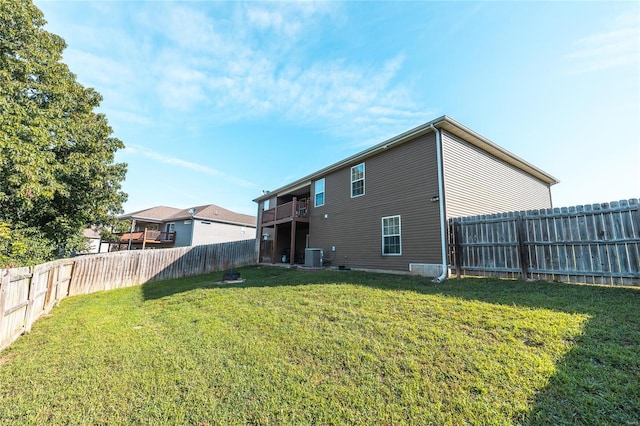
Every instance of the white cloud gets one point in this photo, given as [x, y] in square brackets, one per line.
[233, 61]
[619, 46]
[231, 71]
[97, 69]
[171, 160]
[128, 117]
[191, 29]
[287, 19]
[181, 87]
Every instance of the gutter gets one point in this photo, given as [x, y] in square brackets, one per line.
[142, 218]
[208, 219]
[443, 228]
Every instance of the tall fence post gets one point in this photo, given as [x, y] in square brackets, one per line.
[28, 321]
[4, 283]
[522, 248]
[457, 248]
[52, 280]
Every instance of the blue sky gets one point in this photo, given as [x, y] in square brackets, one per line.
[217, 101]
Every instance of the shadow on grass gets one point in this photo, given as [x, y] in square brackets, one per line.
[598, 381]
[254, 276]
[601, 372]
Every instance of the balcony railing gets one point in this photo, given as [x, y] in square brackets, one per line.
[147, 236]
[291, 210]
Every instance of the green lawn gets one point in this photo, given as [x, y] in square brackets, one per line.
[340, 347]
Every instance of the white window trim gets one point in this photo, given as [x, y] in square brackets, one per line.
[315, 193]
[392, 235]
[353, 181]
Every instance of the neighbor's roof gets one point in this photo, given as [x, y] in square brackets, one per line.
[214, 213]
[210, 212]
[445, 123]
[92, 232]
[154, 214]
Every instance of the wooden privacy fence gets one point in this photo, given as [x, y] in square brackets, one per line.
[594, 244]
[127, 268]
[30, 292]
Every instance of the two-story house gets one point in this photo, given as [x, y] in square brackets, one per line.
[386, 208]
[161, 227]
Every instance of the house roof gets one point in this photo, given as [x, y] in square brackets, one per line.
[214, 213]
[92, 232]
[153, 214]
[445, 123]
[210, 212]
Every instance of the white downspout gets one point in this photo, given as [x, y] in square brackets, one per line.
[443, 220]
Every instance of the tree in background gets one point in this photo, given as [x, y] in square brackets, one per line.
[57, 169]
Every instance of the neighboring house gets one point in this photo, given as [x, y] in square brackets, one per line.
[386, 208]
[160, 227]
[95, 242]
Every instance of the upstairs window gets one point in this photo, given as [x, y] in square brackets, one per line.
[357, 180]
[319, 191]
[391, 236]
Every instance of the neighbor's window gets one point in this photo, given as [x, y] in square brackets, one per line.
[319, 192]
[357, 180]
[391, 232]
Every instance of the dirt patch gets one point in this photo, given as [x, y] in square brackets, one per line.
[4, 360]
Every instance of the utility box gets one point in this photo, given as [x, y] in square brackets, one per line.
[313, 257]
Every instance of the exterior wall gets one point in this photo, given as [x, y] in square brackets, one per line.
[476, 182]
[209, 232]
[183, 232]
[96, 246]
[399, 181]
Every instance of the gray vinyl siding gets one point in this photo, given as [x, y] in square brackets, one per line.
[400, 181]
[476, 182]
[183, 233]
[209, 232]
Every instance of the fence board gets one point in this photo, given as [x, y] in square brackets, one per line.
[123, 269]
[595, 244]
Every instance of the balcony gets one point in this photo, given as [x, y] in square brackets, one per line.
[292, 211]
[147, 237]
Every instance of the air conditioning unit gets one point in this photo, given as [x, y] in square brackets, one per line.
[313, 257]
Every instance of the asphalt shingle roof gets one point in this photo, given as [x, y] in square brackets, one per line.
[207, 212]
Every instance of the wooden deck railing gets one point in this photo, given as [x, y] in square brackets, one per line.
[292, 209]
[147, 236]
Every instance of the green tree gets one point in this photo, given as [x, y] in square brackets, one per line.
[57, 168]
[23, 246]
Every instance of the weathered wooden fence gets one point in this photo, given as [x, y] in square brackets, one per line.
[30, 292]
[593, 244]
[127, 268]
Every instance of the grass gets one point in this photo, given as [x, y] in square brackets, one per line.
[288, 347]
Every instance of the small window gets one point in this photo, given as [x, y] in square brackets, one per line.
[357, 180]
[171, 227]
[391, 236]
[319, 192]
